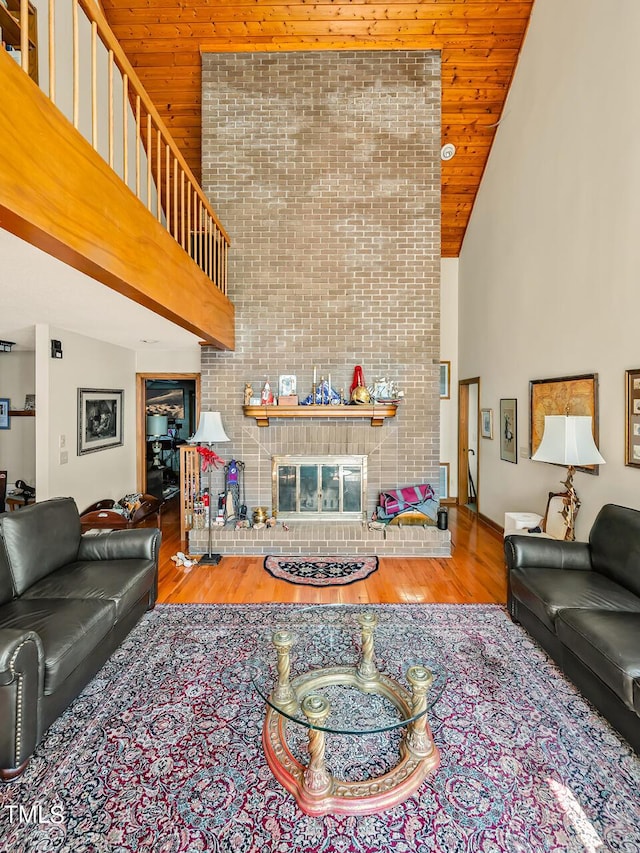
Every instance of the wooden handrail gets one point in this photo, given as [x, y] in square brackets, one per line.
[201, 234]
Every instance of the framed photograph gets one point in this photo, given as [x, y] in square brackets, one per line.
[5, 420]
[445, 380]
[165, 401]
[509, 429]
[100, 419]
[287, 386]
[444, 481]
[632, 420]
[567, 395]
[30, 403]
[486, 423]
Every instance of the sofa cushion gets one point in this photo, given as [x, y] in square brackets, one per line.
[68, 628]
[546, 591]
[124, 582]
[615, 545]
[606, 641]
[39, 539]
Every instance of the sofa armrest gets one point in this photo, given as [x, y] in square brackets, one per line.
[526, 552]
[142, 543]
[21, 686]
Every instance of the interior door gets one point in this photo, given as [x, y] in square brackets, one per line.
[468, 445]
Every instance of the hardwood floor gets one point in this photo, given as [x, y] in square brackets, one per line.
[474, 574]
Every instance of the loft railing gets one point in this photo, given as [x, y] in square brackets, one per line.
[87, 75]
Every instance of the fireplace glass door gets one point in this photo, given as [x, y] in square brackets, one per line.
[320, 488]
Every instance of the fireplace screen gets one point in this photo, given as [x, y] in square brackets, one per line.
[319, 487]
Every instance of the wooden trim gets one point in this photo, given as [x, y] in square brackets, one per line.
[106, 232]
[141, 433]
[492, 525]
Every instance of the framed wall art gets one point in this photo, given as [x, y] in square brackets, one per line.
[509, 429]
[5, 420]
[444, 481]
[486, 423]
[566, 395]
[632, 421]
[100, 419]
[167, 401]
[445, 380]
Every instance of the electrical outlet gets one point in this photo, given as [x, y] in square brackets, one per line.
[62, 441]
[64, 457]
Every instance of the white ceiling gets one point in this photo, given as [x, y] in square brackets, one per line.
[38, 288]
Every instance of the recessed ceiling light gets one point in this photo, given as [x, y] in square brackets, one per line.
[447, 151]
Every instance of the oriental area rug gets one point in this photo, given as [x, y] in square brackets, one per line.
[321, 571]
[162, 751]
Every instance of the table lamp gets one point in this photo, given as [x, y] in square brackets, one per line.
[568, 440]
[157, 425]
[210, 431]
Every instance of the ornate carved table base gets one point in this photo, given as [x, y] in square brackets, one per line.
[315, 790]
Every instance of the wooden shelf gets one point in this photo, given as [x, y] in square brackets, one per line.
[22, 413]
[377, 412]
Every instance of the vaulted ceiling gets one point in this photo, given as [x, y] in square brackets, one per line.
[479, 41]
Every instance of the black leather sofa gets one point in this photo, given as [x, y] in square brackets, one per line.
[66, 602]
[581, 602]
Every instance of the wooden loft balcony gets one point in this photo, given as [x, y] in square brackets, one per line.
[58, 193]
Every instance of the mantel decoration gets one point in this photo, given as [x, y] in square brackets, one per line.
[100, 419]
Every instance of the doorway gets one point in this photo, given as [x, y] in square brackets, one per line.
[468, 446]
[167, 412]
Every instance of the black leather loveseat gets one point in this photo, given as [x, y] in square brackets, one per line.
[66, 602]
[581, 602]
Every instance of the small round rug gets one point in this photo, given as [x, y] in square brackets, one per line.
[321, 571]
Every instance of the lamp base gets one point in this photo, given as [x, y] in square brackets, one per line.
[209, 559]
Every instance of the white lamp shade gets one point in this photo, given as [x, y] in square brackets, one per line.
[210, 429]
[157, 425]
[568, 440]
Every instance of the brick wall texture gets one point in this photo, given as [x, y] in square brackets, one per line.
[324, 168]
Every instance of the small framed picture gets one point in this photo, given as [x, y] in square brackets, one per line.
[30, 402]
[509, 429]
[486, 423]
[287, 386]
[5, 420]
[445, 380]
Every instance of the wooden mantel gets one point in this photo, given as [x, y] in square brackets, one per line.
[378, 412]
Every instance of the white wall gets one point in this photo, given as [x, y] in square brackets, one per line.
[550, 267]
[168, 361]
[17, 444]
[449, 352]
[86, 363]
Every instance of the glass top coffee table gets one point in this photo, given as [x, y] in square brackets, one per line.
[340, 689]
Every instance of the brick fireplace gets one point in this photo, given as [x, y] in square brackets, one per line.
[325, 169]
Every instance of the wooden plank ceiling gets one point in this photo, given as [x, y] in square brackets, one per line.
[480, 42]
